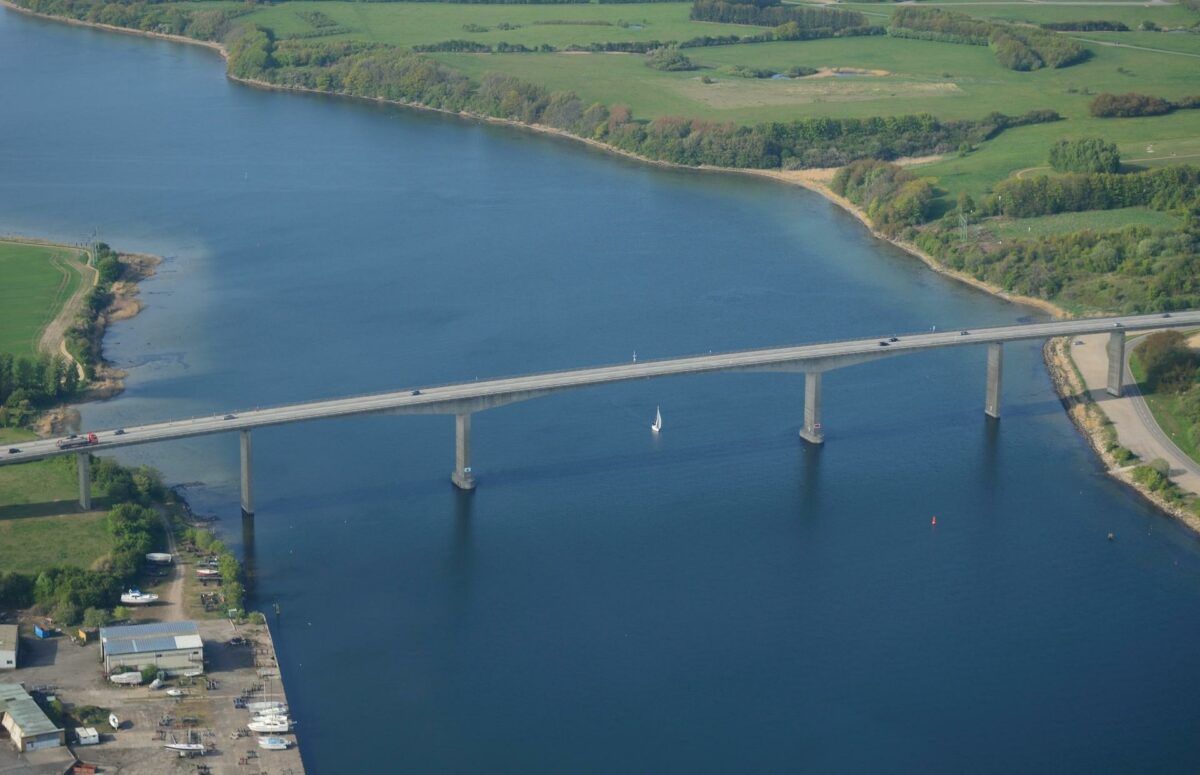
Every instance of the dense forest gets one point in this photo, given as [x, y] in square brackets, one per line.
[1087, 154]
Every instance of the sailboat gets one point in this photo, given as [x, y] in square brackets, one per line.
[657, 426]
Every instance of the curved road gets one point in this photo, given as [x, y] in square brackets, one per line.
[1179, 460]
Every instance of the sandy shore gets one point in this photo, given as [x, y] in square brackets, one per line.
[1055, 353]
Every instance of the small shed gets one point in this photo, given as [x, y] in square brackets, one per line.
[87, 736]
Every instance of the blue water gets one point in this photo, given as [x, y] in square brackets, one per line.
[719, 599]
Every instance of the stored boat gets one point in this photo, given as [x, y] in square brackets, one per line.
[126, 679]
[162, 558]
[276, 724]
[207, 573]
[274, 743]
[185, 747]
[175, 692]
[266, 707]
[138, 597]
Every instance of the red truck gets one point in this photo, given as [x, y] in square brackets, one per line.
[78, 441]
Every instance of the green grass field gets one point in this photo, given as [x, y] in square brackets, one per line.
[30, 544]
[1092, 220]
[38, 280]
[1165, 409]
[39, 520]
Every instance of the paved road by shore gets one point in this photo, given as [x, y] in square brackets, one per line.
[1135, 426]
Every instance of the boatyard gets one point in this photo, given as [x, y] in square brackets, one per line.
[194, 720]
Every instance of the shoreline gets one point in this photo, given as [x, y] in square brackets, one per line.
[1089, 418]
[126, 303]
[1056, 357]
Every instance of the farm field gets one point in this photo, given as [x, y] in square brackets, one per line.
[38, 280]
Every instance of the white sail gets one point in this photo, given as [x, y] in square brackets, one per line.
[657, 426]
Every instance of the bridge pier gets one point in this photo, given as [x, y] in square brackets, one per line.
[462, 477]
[83, 463]
[1116, 362]
[995, 366]
[247, 475]
[812, 432]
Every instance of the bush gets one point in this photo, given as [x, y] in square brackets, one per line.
[96, 617]
[669, 59]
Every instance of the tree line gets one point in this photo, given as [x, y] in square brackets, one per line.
[1161, 189]
[1015, 47]
[1133, 104]
[1097, 25]
[774, 15]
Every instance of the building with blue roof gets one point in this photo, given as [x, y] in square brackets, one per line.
[172, 647]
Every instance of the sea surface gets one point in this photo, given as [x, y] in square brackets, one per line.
[722, 598]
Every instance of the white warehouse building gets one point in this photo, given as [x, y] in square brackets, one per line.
[172, 647]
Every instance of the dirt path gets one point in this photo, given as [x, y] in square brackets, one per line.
[172, 593]
[1115, 44]
[53, 338]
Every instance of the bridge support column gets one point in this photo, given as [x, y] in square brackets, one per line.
[83, 464]
[462, 477]
[247, 475]
[812, 432]
[995, 366]
[1116, 362]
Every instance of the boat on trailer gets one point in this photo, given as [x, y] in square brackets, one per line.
[136, 596]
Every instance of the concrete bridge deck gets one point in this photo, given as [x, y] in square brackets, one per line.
[464, 398]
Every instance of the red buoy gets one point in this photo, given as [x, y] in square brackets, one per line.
[934, 521]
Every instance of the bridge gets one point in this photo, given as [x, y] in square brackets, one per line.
[465, 398]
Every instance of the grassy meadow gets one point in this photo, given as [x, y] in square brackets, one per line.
[40, 524]
[1091, 220]
[38, 280]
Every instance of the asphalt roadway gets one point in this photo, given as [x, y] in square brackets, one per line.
[476, 395]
